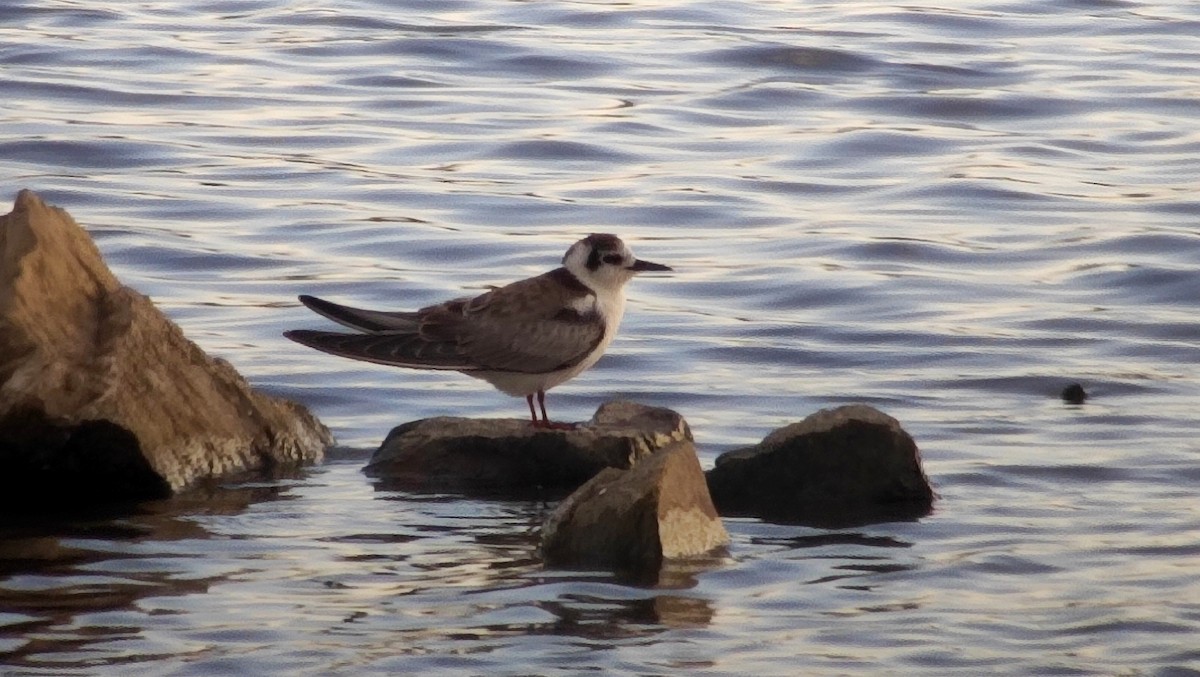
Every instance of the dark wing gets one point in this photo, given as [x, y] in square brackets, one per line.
[361, 318]
[530, 326]
[391, 348]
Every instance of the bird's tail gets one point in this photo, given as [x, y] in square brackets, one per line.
[361, 318]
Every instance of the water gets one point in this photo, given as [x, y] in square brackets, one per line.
[949, 212]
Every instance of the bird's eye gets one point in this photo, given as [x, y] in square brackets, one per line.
[614, 259]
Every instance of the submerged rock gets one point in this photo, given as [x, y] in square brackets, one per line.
[632, 520]
[510, 456]
[101, 396]
[838, 467]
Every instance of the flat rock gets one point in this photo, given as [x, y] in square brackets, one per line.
[510, 456]
[632, 520]
[101, 396]
[844, 466]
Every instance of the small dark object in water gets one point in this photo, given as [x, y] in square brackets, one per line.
[1074, 394]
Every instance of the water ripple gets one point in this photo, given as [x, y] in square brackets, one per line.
[950, 212]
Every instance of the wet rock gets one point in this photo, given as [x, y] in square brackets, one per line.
[633, 520]
[101, 396]
[511, 457]
[838, 467]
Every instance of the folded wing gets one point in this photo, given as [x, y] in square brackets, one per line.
[391, 348]
[532, 326]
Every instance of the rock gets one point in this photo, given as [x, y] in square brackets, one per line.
[1074, 394]
[101, 396]
[633, 520]
[838, 467]
[511, 457]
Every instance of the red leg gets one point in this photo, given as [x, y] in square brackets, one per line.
[546, 419]
[532, 413]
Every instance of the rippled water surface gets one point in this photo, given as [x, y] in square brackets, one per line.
[949, 212]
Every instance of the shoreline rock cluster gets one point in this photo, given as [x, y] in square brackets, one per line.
[103, 399]
[637, 494]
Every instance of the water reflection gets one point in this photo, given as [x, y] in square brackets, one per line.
[826, 539]
[489, 548]
[947, 212]
[590, 617]
[67, 578]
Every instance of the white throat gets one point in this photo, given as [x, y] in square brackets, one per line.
[610, 305]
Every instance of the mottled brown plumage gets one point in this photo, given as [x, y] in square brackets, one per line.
[524, 338]
[531, 326]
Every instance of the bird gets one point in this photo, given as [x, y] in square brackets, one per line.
[523, 338]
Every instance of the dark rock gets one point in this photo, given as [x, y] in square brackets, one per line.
[82, 462]
[838, 467]
[511, 457]
[1074, 394]
[632, 520]
[101, 396]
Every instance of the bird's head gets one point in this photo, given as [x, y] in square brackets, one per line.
[604, 263]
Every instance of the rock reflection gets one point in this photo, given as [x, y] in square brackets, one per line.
[599, 618]
[818, 540]
[466, 579]
[681, 574]
[849, 559]
[458, 541]
[841, 517]
[57, 572]
[531, 494]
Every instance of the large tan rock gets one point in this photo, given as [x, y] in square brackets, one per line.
[838, 467]
[633, 520]
[101, 396]
[511, 457]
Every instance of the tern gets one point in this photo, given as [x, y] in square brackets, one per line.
[523, 338]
